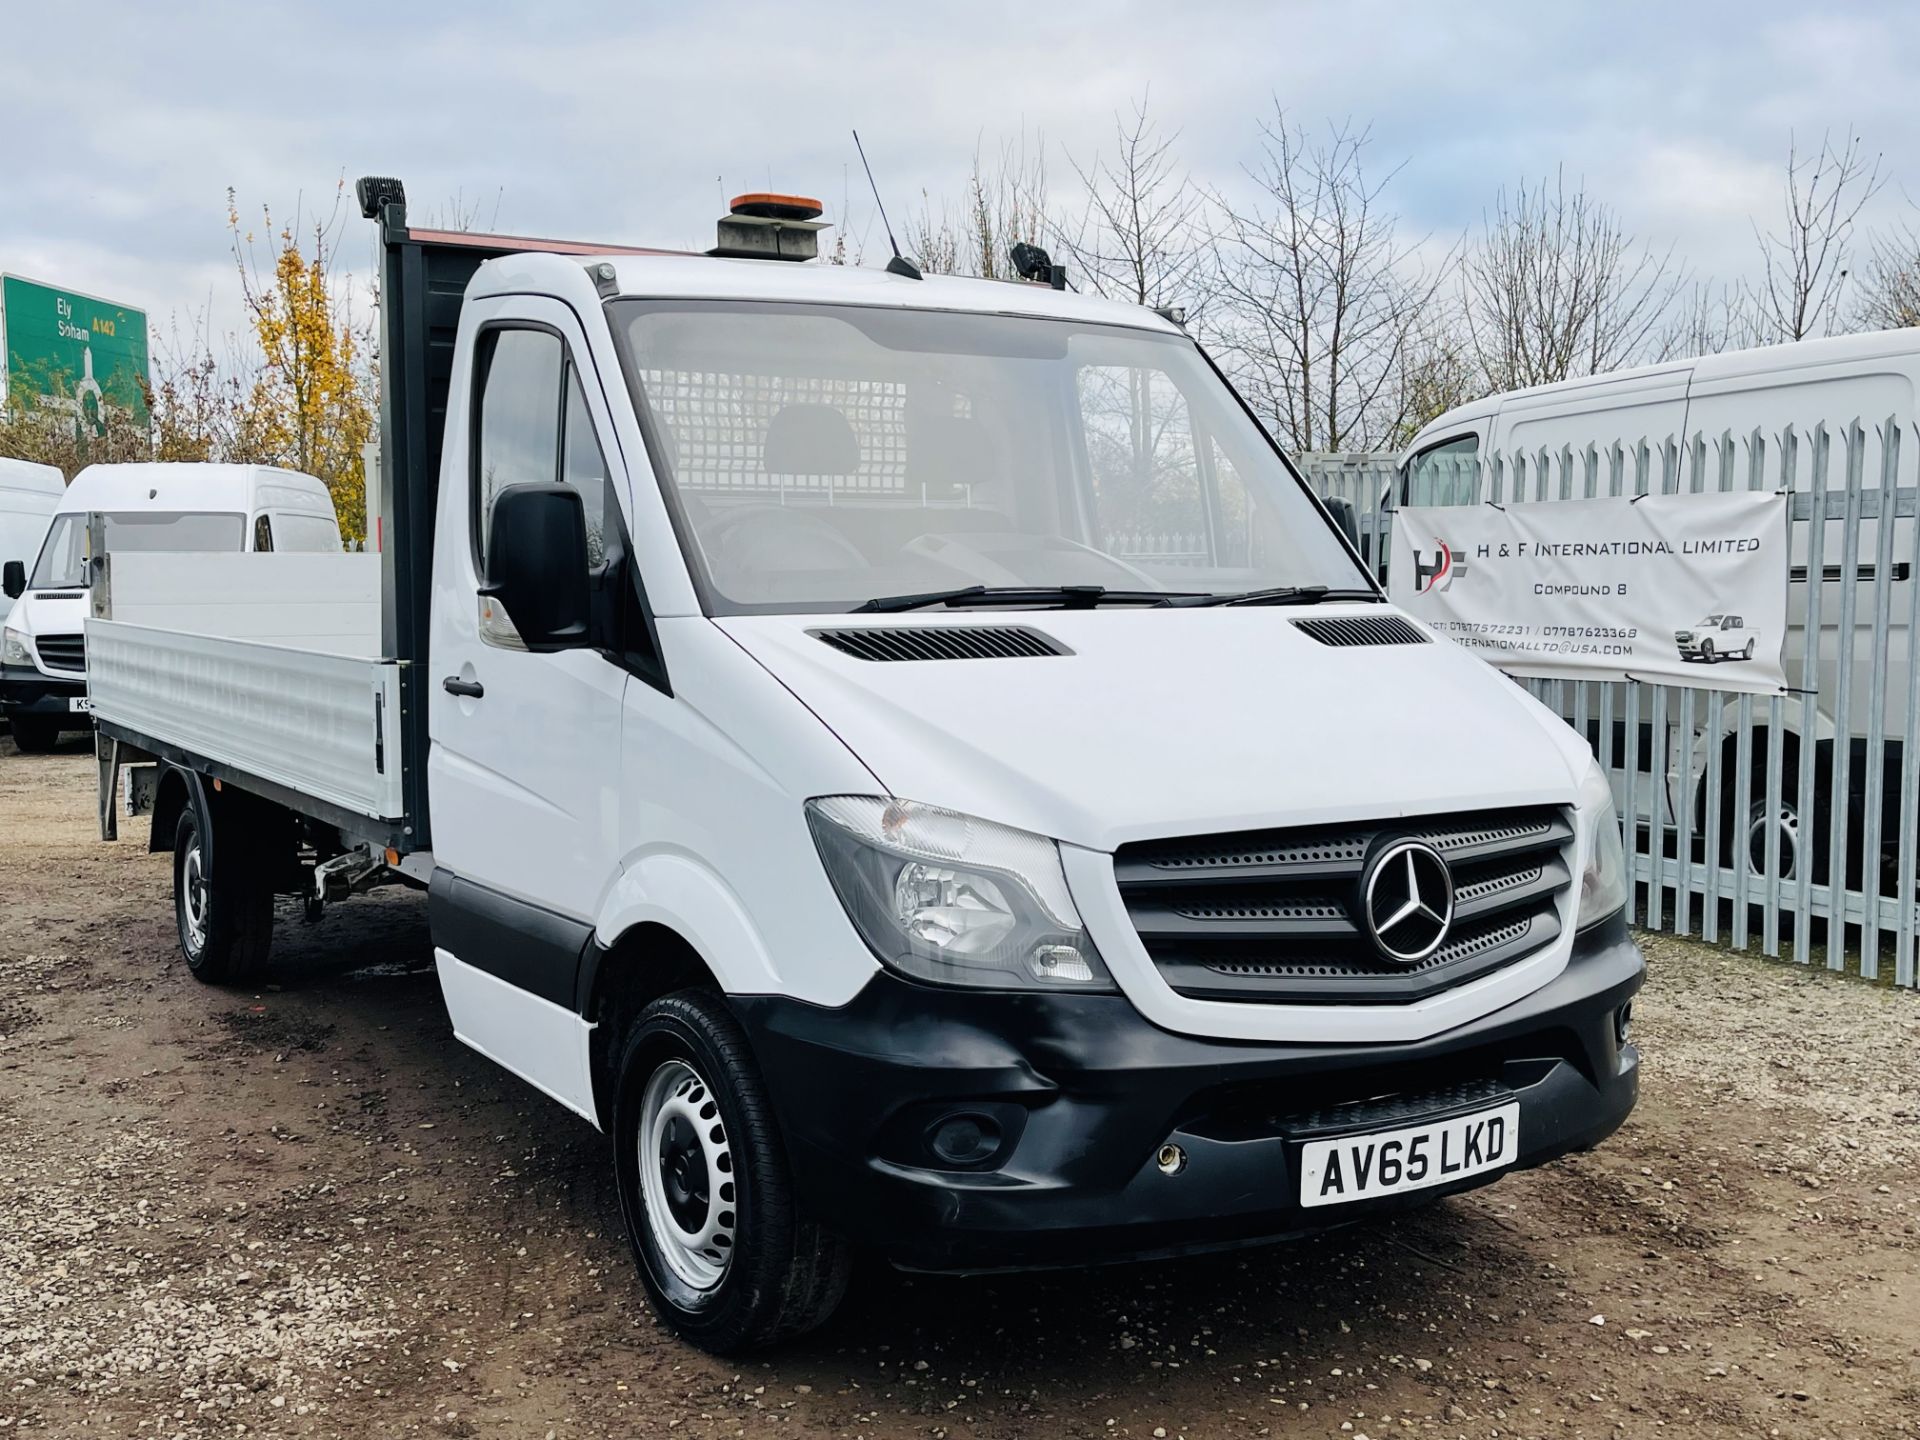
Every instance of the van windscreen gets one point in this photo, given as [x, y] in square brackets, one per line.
[63, 559]
[820, 456]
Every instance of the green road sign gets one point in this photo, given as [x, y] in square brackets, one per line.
[72, 350]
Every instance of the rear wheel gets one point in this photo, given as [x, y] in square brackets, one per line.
[1749, 651]
[35, 734]
[223, 912]
[728, 1260]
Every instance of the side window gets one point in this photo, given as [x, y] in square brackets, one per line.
[1444, 474]
[263, 533]
[518, 435]
[583, 465]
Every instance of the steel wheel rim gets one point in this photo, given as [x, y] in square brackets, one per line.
[1787, 821]
[193, 895]
[687, 1176]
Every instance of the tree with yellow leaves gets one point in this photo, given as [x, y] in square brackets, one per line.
[311, 406]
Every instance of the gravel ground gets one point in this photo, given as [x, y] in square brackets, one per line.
[308, 1211]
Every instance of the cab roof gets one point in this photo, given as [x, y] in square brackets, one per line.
[1728, 364]
[162, 485]
[704, 277]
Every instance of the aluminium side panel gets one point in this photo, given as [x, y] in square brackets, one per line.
[318, 724]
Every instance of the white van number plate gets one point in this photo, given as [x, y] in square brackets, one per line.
[79, 704]
[1359, 1167]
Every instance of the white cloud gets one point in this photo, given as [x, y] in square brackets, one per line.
[633, 122]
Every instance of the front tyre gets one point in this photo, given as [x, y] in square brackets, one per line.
[34, 734]
[726, 1257]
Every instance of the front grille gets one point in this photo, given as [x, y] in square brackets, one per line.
[62, 652]
[1275, 915]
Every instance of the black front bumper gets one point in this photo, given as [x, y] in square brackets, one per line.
[1084, 1093]
[25, 691]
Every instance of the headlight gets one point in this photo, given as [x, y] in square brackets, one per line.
[13, 648]
[1603, 883]
[945, 897]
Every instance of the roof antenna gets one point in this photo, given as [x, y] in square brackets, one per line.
[899, 264]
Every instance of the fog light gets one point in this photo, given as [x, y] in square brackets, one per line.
[1171, 1159]
[1623, 1023]
[965, 1139]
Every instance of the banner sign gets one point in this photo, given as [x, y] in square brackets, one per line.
[1679, 589]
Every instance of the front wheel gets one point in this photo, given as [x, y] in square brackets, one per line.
[728, 1260]
[1706, 651]
[35, 734]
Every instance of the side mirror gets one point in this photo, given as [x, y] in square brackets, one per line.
[1342, 512]
[15, 582]
[537, 564]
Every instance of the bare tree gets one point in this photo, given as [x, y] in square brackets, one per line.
[1555, 287]
[469, 215]
[1804, 264]
[1706, 321]
[1435, 374]
[1143, 235]
[1006, 203]
[1889, 290]
[1320, 297]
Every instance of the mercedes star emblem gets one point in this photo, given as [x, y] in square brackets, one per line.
[1407, 900]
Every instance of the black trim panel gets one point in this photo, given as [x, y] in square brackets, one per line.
[1082, 1091]
[533, 949]
[24, 688]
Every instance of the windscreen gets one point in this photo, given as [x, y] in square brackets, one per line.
[306, 532]
[63, 559]
[818, 457]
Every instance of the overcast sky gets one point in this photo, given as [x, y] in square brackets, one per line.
[126, 122]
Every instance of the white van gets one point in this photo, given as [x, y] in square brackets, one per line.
[29, 494]
[1727, 417]
[164, 507]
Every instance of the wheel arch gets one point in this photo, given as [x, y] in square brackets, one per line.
[178, 790]
[617, 981]
[1729, 743]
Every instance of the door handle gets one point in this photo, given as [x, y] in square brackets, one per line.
[471, 689]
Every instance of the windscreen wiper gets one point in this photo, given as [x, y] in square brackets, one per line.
[1066, 597]
[1279, 595]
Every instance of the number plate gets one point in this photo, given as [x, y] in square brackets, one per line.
[1387, 1162]
[80, 704]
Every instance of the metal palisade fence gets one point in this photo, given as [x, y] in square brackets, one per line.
[1788, 823]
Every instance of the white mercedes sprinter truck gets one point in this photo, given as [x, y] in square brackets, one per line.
[911, 761]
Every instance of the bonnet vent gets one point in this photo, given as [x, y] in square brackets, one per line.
[1363, 630]
[942, 642]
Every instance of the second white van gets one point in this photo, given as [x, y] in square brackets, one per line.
[1744, 419]
[156, 507]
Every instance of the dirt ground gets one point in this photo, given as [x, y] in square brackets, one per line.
[308, 1211]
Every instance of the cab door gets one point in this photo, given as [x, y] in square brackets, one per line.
[524, 764]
